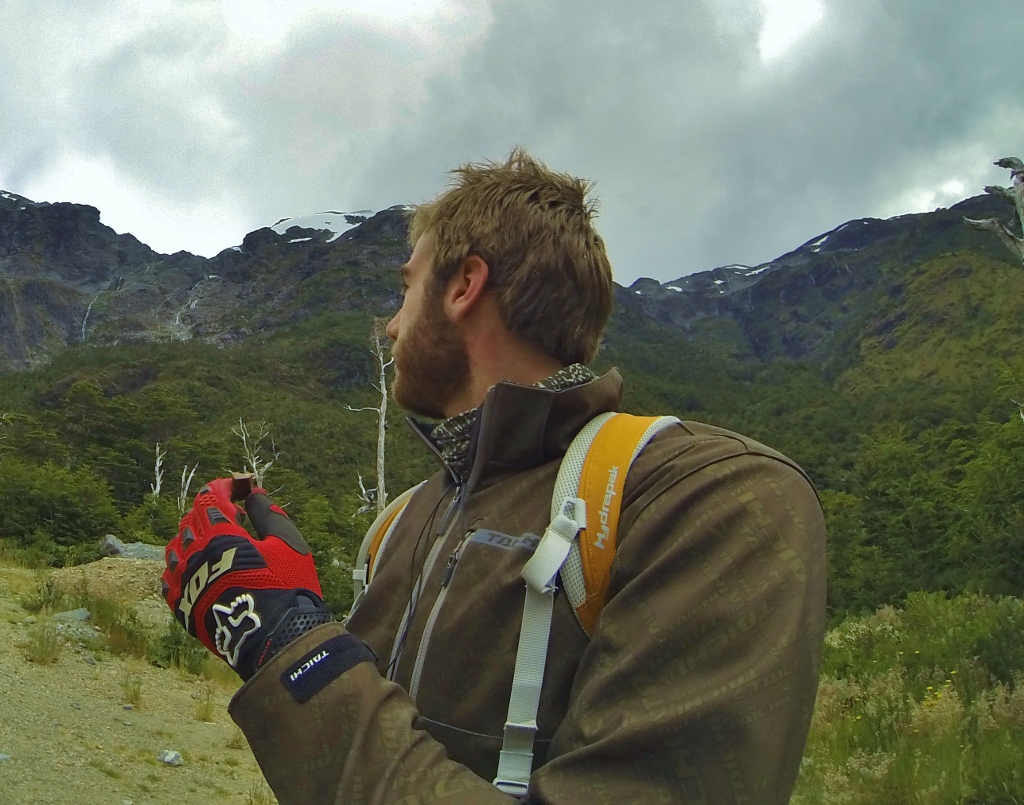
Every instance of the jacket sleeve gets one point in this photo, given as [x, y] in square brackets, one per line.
[697, 685]
[700, 677]
[353, 741]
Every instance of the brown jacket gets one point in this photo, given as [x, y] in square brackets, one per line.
[696, 686]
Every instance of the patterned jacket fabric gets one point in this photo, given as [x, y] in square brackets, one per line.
[696, 686]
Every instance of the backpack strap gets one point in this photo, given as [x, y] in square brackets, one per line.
[601, 481]
[375, 541]
[587, 497]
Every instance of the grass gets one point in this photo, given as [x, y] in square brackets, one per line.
[219, 672]
[920, 704]
[46, 597]
[259, 794]
[115, 616]
[108, 610]
[131, 688]
[43, 645]
[205, 706]
[100, 766]
[237, 740]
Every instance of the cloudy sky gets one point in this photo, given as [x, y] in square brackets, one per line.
[717, 131]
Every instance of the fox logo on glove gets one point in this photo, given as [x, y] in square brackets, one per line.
[234, 625]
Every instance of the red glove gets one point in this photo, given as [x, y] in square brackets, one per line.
[244, 598]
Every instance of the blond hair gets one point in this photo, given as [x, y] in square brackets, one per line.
[533, 227]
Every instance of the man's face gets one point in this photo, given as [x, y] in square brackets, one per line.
[431, 362]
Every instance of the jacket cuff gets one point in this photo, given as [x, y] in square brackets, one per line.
[305, 666]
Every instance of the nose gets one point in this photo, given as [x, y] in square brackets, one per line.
[392, 328]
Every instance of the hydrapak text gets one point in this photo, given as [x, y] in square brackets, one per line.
[609, 493]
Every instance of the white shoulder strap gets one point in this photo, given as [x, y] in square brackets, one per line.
[568, 517]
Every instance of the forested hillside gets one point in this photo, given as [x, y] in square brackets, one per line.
[883, 356]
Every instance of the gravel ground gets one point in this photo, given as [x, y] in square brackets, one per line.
[67, 735]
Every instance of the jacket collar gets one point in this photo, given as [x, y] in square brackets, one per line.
[519, 427]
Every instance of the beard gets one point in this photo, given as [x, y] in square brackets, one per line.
[431, 365]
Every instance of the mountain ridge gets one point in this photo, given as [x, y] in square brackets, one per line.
[66, 278]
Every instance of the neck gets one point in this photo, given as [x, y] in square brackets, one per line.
[515, 369]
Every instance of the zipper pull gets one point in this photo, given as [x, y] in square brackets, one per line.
[449, 571]
[453, 560]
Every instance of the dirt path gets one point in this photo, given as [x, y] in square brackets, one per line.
[70, 739]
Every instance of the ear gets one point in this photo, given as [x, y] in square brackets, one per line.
[466, 288]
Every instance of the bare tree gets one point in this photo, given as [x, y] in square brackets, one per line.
[252, 443]
[367, 497]
[379, 344]
[1015, 195]
[158, 471]
[186, 482]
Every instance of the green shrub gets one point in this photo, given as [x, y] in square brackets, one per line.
[53, 509]
[154, 521]
[48, 595]
[176, 648]
[921, 703]
[966, 633]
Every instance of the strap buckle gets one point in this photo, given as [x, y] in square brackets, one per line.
[515, 763]
[553, 549]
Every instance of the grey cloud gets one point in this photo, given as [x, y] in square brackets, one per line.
[184, 109]
[702, 156]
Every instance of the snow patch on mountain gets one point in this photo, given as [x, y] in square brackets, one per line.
[333, 221]
[816, 246]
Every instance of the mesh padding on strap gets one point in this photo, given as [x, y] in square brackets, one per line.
[572, 577]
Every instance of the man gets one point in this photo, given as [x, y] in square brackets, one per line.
[698, 681]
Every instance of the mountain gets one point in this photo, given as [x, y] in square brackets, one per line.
[883, 355]
[66, 279]
[804, 304]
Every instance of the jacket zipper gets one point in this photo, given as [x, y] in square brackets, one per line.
[396, 651]
[453, 560]
[421, 652]
[398, 646]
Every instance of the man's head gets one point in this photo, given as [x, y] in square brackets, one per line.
[533, 227]
[546, 272]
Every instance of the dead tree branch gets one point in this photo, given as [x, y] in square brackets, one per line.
[1015, 195]
[158, 472]
[252, 443]
[186, 482]
[379, 345]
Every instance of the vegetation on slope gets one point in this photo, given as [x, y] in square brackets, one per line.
[922, 703]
